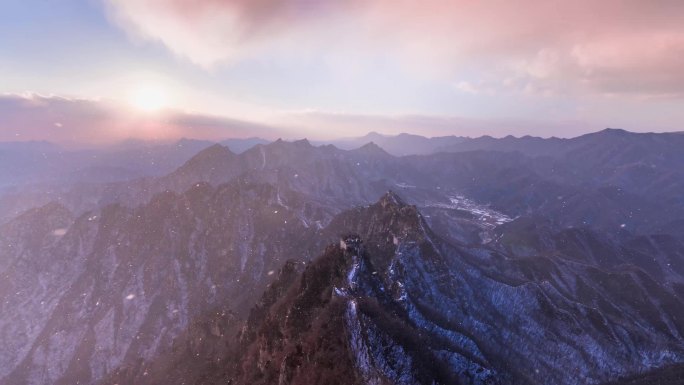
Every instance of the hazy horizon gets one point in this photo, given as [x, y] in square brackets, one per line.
[316, 142]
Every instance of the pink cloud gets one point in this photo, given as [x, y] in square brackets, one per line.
[37, 117]
[213, 31]
[611, 46]
[635, 63]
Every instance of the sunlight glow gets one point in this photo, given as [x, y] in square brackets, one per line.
[149, 98]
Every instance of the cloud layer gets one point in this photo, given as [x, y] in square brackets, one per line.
[83, 121]
[623, 47]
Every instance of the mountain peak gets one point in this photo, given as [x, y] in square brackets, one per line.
[371, 148]
[302, 143]
[211, 156]
[188, 142]
[215, 151]
[297, 144]
[605, 134]
[376, 223]
[374, 135]
[215, 148]
[371, 145]
[613, 132]
[391, 199]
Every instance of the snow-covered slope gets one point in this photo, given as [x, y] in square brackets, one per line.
[391, 302]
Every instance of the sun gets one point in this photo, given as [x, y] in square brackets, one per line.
[149, 98]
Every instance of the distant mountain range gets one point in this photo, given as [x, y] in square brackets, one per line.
[399, 145]
[469, 261]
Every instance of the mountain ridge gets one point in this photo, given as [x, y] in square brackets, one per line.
[384, 284]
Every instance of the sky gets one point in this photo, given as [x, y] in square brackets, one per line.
[94, 71]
